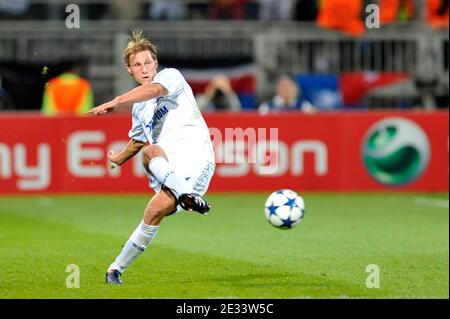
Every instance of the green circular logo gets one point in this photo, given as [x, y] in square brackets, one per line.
[396, 151]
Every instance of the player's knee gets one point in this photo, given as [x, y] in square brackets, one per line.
[154, 212]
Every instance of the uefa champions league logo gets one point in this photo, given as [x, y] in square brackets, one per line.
[396, 151]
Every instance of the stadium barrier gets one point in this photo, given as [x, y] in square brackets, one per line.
[360, 151]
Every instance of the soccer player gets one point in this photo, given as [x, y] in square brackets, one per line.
[177, 150]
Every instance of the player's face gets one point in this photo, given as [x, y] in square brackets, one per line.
[142, 67]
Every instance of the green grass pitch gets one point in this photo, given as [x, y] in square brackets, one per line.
[231, 253]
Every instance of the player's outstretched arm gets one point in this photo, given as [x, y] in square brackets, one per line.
[117, 159]
[142, 93]
[108, 107]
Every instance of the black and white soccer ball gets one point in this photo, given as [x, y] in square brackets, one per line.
[284, 209]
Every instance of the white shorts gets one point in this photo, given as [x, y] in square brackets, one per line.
[199, 176]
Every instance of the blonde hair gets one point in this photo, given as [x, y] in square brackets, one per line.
[138, 43]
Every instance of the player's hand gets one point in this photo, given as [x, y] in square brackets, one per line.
[222, 83]
[112, 159]
[108, 107]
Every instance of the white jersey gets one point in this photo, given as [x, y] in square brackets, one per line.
[173, 121]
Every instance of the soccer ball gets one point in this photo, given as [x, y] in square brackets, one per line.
[284, 209]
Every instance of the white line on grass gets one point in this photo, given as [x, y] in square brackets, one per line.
[435, 202]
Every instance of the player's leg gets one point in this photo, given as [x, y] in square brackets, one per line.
[161, 205]
[156, 161]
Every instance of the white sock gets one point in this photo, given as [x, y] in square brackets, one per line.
[165, 174]
[136, 245]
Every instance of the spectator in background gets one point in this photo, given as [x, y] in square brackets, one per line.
[6, 102]
[437, 13]
[430, 85]
[67, 94]
[219, 96]
[167, 9]
[287, 98]
[10, 9]
[276, 9]
[342, 15]
[125, 10]
[396, 11]
[227, 9]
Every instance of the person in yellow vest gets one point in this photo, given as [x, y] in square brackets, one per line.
[437, 13]
[341, 15]
[68, 94]
[396, 11]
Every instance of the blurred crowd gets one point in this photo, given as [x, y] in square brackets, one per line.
[338, 14]
[69, 93]
[219, 95]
